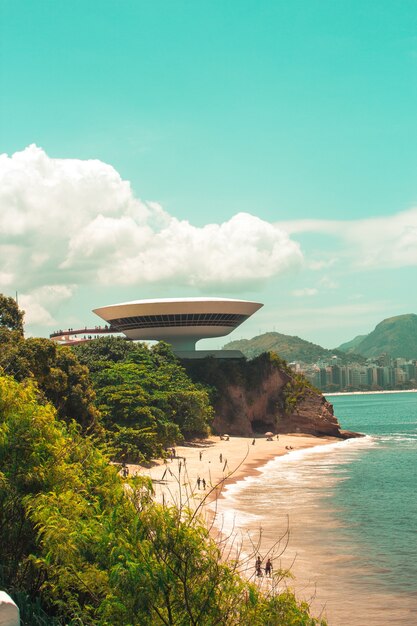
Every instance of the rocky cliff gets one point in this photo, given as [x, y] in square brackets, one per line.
[261, 395]
[313, 415]
[246, 411]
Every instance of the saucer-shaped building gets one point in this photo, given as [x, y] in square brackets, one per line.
[179, 322]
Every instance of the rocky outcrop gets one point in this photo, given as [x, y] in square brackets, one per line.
[312, 415]
[244, 412]
[261, 395]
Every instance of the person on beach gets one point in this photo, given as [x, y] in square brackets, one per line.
[221, 457]
[198, 482]
[253, 442]
[204, 483]
[258, 568]
[201, 455]
[268, 568]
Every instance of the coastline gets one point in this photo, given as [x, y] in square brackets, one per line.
[299, 524]
[367, 393]
[219, 462]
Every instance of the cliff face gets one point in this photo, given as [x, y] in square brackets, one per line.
[312, 415]
[243, 412]
[239, 412]
[261, 395]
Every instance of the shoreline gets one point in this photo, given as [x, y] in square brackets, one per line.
[366, 393]
[174, 483]
[219, 462]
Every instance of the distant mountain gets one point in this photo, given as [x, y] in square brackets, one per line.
[289, 348]
[396, 336]
[351, 346]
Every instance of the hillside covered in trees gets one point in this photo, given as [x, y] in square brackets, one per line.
[395, 336]
[290, 348]
[78, 544]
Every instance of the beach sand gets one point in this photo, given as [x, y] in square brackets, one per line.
[219, 462]
[323, 576]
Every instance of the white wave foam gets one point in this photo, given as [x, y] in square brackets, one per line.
[298, 461]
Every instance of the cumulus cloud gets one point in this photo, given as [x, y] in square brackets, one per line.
[37, 303]
[71, 221]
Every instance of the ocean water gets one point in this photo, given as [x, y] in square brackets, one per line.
[343, 516]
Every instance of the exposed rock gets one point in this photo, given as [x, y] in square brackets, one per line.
[313, 415]
[261, 395]
[244, 412]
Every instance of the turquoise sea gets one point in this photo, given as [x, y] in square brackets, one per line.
[351, 511]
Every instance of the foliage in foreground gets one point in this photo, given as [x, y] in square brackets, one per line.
[84, 548]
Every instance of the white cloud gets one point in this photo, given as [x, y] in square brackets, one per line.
[377, 242]
[306, 291]
[37, 303]
[68, 221]
[35, 312]
[319, 265]
[328, 283]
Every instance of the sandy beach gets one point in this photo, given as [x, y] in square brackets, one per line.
[199, 472]
[217, 462]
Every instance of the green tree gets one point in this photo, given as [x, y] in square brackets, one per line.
[11, 316]
[105, 349]
[136, 431]
[191, 410]
[11, 361]
[145, 397]
[56, 486]
[60, 377]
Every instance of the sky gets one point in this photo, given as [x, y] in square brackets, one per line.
[260, 150]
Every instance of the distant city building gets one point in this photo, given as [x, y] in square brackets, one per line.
[397, 373]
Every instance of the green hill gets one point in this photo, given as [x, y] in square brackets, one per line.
[351, 346]
[396, 336]
[288, 347]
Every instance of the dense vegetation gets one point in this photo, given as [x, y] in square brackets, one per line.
[80, 546]
[144, 396]
[289, 348]
[138, 400]
[77, 547]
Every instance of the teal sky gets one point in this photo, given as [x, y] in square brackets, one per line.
[301, 113]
